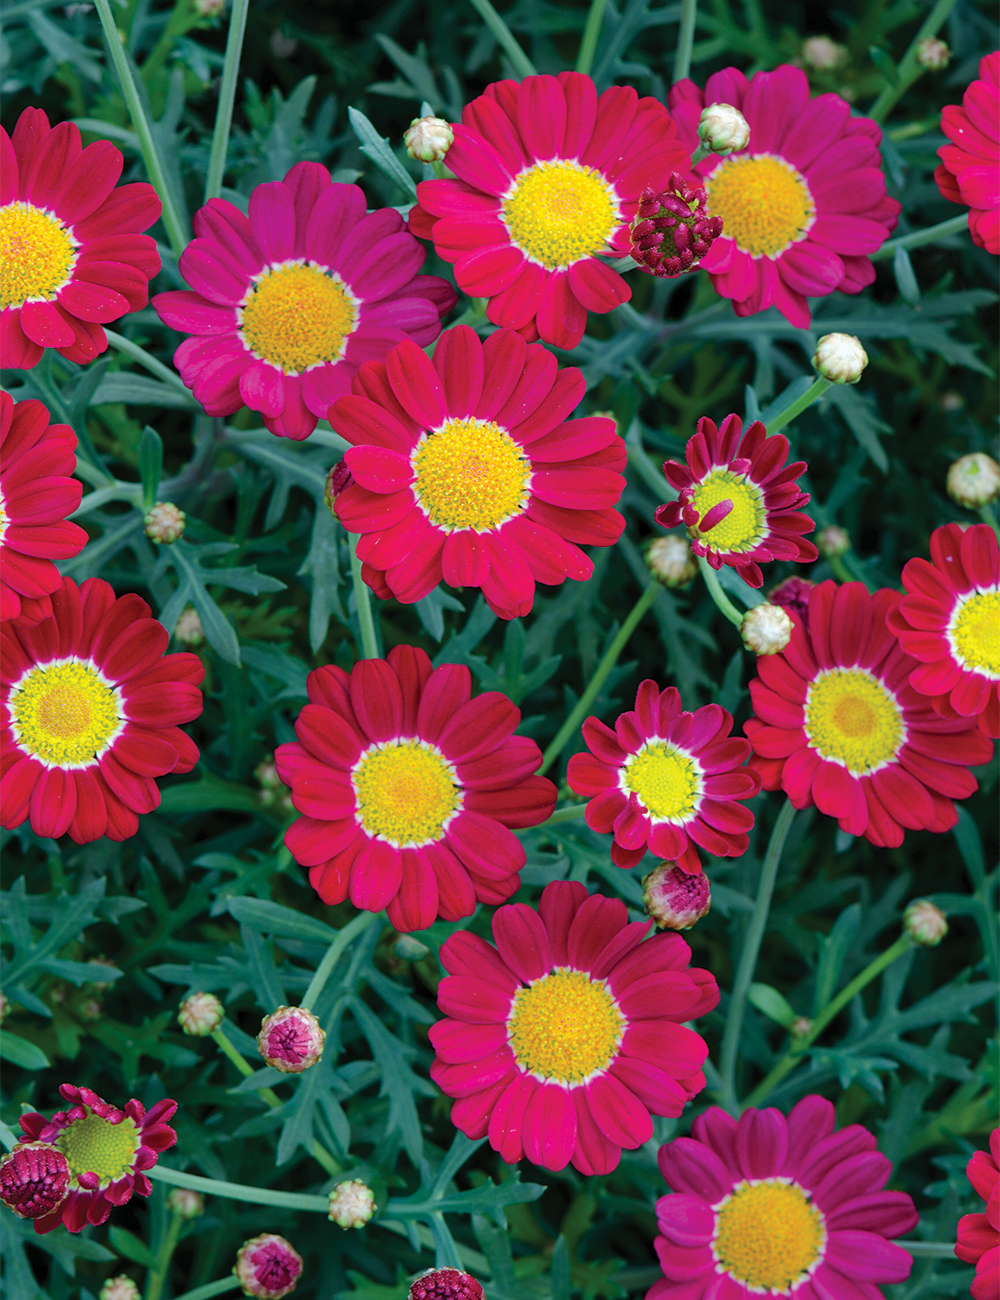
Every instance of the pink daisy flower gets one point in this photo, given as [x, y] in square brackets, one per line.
[667, 781]
[549, 178]
[979, 1234]
[563, 1039]
[288, 302]
[780, 1207]
[969, 171]
[466, 469]
[71, 255]
[802, 206]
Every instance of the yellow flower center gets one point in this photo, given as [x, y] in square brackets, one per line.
[470, 474]
[96, 1146]
[852, 719]
[666, 779]
[65, 714]
[37, 254]
[407, 792]
[565, 1026]
[764, 203]
[745, 525]
[767, 1235]
[974, 632]
[298, 316]
[560, 211]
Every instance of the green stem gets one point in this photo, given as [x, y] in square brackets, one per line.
[244, 1066]
[333, 954]
[931, 235]
[748, 956]
[988, 517]
[583, 704]
[909, 68]
[588, 46]
[685, 40]
[158, 1275]
[239, 1191]
[790, 413]
[714, 586]
[796, 1053]
[505, 38]
[150, 363]
[929, 1249]
[571, 814]
[150, 154]
[841, 572]
[699, 154]
[210, 1289]
[227, 97]
[363, 599]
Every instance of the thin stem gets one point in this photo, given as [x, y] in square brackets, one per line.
[700, 154]
[239, 1191]
[930, 235]
[505, 37]
[790, 413]
[588, 46]
[685, 40]
[333, 954]
[210, 1289]
[714, 586]
[244, 1066]
[929, 1249]
[150, 154]
[748, 957]
[150, 363]
[227, 97]
[988, 517]
[909, 69]
[158, 1275]
[571, 814]
[362, 597]
[597, 681]
[840, 570]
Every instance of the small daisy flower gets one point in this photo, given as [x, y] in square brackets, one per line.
[34, 1179]
[549, 178]
[37, 492]
[566, 1037]
[667, 781]
[979, 1234]
[739, 499]
[779, 1207]
[268, 1267]
[106, 1149]
[838, 724]
[91, 707]
[410, 790]
[969, 171]
[286, 303]
[71, 255]
[949, 620]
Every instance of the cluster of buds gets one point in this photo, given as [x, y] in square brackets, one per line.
[34, 1179]
[766, 629]
[445, 1284]
[352, 1204]
[974, 480]
[428, 139]
[933, 54]
[840, 358]
[268, 1267]
[925, 923]
[165, 522]
[671, 232]
[201, 1014]
[291, 1039]
[675, 899]
[670, 561]
[188, 629]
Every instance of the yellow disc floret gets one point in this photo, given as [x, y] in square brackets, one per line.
[666, 779]
[852, 719]
[559, 212]
[768, 1235]
[406, 791]
[37, 254]
[65, 714]
[565, 1026]
[298, 316]
[745, 525]
[764, 203]
[974, 632]
[470, 474]
[96, 1146]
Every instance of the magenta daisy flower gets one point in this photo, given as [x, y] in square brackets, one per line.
[739, 499]
[802, 206]
[563, 1039]
[106, 1149]
[779, 1207]
[289, 301]
[549, 178]
[466, 469]
[667, 781]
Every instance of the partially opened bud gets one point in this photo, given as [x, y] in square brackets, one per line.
[445, 1284]
[974, 480]
[671, 232]
[925, 923]
[119, 1288]
[291, 1039]
[428, 139]
[793, 595]
[833, 541]
[188, 629]
[840, 358]
[352, 1204]
[186, 1202]
[338, 478]
[933, 54]
[34, 1179]
[165, 523]
[675, 899]
[201, 1014]
[723, 129]
[766, 629]
[670, 560]
[800, 1026]
[268, 1267]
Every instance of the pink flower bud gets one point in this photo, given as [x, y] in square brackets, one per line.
[925, 923]
[338, 478]
[34, 1179]
[291, 1039]
[674, 898]
[671, 233]
[445, 1284]
[793, 595]
[268, 1267]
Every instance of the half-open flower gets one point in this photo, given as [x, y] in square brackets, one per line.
[969, 171]
[979, 1234]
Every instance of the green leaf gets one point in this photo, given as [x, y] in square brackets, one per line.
[128, 1244]
[771, 1003]
[282, 922]
[150, 465]
[885, 64]
[209, 794]
[138, 390]
[378, 150]
[20, 1052]
[906, 280]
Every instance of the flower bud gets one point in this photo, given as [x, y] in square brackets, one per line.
[933, 54]
[352, 1204]
[723, 129]
[188, 629]
[119, 1288]
[974, 480]
[165, 523]
[833, 541]
[670, 560]
[89, 1009]
[283, 46]
[201, 1014]
[338, 478]
[840, 358]
[210, 8]
[409, 948]
[186, 1202]
[291, 1039]
[34, 1179]
[766, 629]
[268, 1266]
[925, 923]
[445, 1284]
[4, 1007]
[821, 53]
[428, 139]
[800, 1026]
[675, 899]
[793, 595]
[671, 232]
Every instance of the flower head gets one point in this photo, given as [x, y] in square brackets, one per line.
[106, 1150]
[783, 1207]
[823, 54]
[979, 1234]
[563, 1039]
[445, 1284]
[428, 139]
[723, 129]
[766, 629]
[466, 468]
[933, 54]
[188, 629]
[186, 1202]
[974, 480]
[670, 561]
[925, 923]
[838, 724]
[268, 1267]
[666, 780]
[675, 898]
[802, 206]
[34, 1179]
[91, 712]
[201, 1014]
[739, 499]
[119, 1288]
[840, 358]
[291, 1039]
[164, 523]
[352, 1204]
[286, 303]
[670, 232]
[969, 171]
[792, 594]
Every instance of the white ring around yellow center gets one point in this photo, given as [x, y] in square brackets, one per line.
[666, 779]
[559, 212]
[768, 1235]
[974, 631]
[407, 792]
[297, 315]
[37, 254]
[745, 527]
[565, 1026]
[470, 474]
[65, 713]
[853, 719]
[764, 202]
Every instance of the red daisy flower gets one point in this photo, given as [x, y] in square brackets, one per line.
[779, 1207]
[802, 206]
[90, 707]
[566, 1037]
[71, 255]
[409, 789]
[549, 176]
[107, 1150]
[949, 619]
[969, 171]
[36, 495]
[979, 1234]
[466, 469]
[289, 301]
[839, 725]
[739, 499]
[666, 780]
